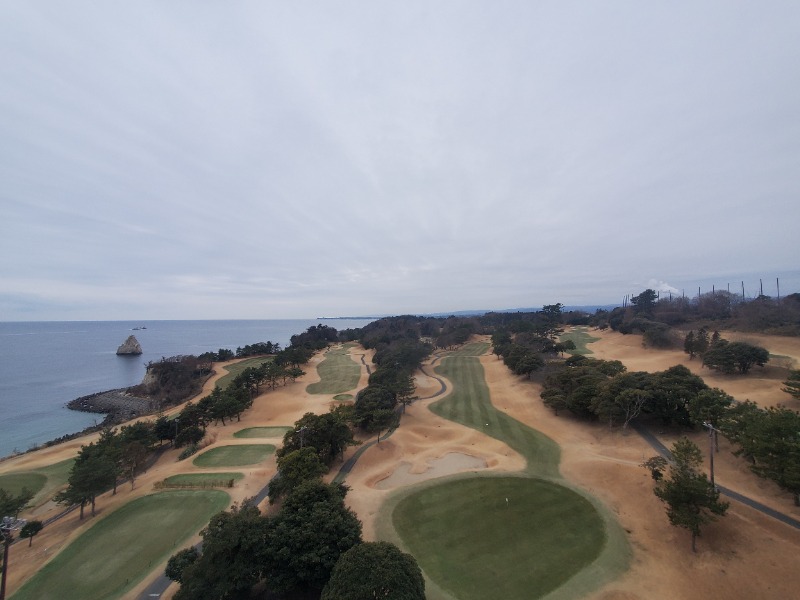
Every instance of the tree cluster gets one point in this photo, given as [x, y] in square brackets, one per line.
[171, 380]
[99, 467]
[294, 552]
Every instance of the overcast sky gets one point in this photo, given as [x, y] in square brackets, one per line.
[188, 159]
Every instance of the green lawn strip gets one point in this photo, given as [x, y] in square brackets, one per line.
[343, 397]
[471, 349]
[236, 368]
[469, 405]
[15, 482]
[221, 479]
[338, 373]
[262, 432]
[580, 337]
[477, 545]
[43, 482]
[234, 456]
[118, 551]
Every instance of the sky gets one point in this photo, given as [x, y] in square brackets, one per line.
[266, 160]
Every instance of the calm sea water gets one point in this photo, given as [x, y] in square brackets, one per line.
[44, 365]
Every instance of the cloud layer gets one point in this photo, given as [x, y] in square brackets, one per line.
[274, 160]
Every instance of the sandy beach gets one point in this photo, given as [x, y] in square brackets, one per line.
[744, 555]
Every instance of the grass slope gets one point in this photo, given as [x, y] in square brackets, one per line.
[262, 432]
[580, 338]
[43, 482]
[234, 456]
[220, 479]
[118, 551]
[338, 373]
[236, 368]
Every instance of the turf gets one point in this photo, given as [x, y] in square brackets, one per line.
[203, 479]
[234, 456]
[500, 537]
[15, 482]
[469, 405]
[236, 368]
[343, 397]
[262, 432]
[120, 550]
[338, 374]
[580, 338]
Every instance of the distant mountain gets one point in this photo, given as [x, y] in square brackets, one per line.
[591, 308]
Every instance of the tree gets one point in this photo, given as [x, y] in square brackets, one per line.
[178, 562]
[230, 563]
[692, 501]
[30, 529]
[792, 384]
[730, 357]
[375, 570]
[11, 505]
[307, 537]
[709, 406]
[328, 433]
[644, 302]
[295, 468]
[91, 474]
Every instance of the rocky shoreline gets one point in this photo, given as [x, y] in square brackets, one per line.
[118, 405]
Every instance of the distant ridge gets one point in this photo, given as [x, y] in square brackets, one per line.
[589, 308]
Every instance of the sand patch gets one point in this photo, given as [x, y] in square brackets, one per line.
[449, 464]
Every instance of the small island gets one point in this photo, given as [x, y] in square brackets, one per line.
[130, 347]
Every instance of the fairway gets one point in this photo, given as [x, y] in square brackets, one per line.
[469, 405]
[580, 338]
[15, 482]
[236, 368]
[262, 432]
[221, 479]
[500, 537]
[121, 549]
[234, 456]
[338, 373]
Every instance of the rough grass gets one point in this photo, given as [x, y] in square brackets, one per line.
[500, 537]
[120, 550]
[236, 368]
[580, 337]
[338, 373]
[203, 479]
[262, 432]
[234, 456]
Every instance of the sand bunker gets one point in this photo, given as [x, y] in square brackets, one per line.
[449, 464]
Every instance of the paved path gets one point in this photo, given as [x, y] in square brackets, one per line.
[651, 439]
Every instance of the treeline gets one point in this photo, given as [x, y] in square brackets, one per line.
[605, 391]
[655, 316]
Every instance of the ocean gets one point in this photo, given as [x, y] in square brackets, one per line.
[44, 365]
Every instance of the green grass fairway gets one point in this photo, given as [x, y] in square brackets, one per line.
[120, 550]
[475, 545]
[338, 374]
[343, 397]
[15, 482]
[469, 405]
[471, 349]
[202, 479]
[262, 432]
[236, 368]
[580, 337]
[234, 456]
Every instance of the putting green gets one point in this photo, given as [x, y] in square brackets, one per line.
[262, 432]
[234, 456]
[580, 337]
[500, 537]
[120, 550]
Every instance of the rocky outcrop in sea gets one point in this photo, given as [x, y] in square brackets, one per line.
[130, 346]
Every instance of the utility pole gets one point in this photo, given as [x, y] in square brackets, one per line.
[712, 434]
[10, 524]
